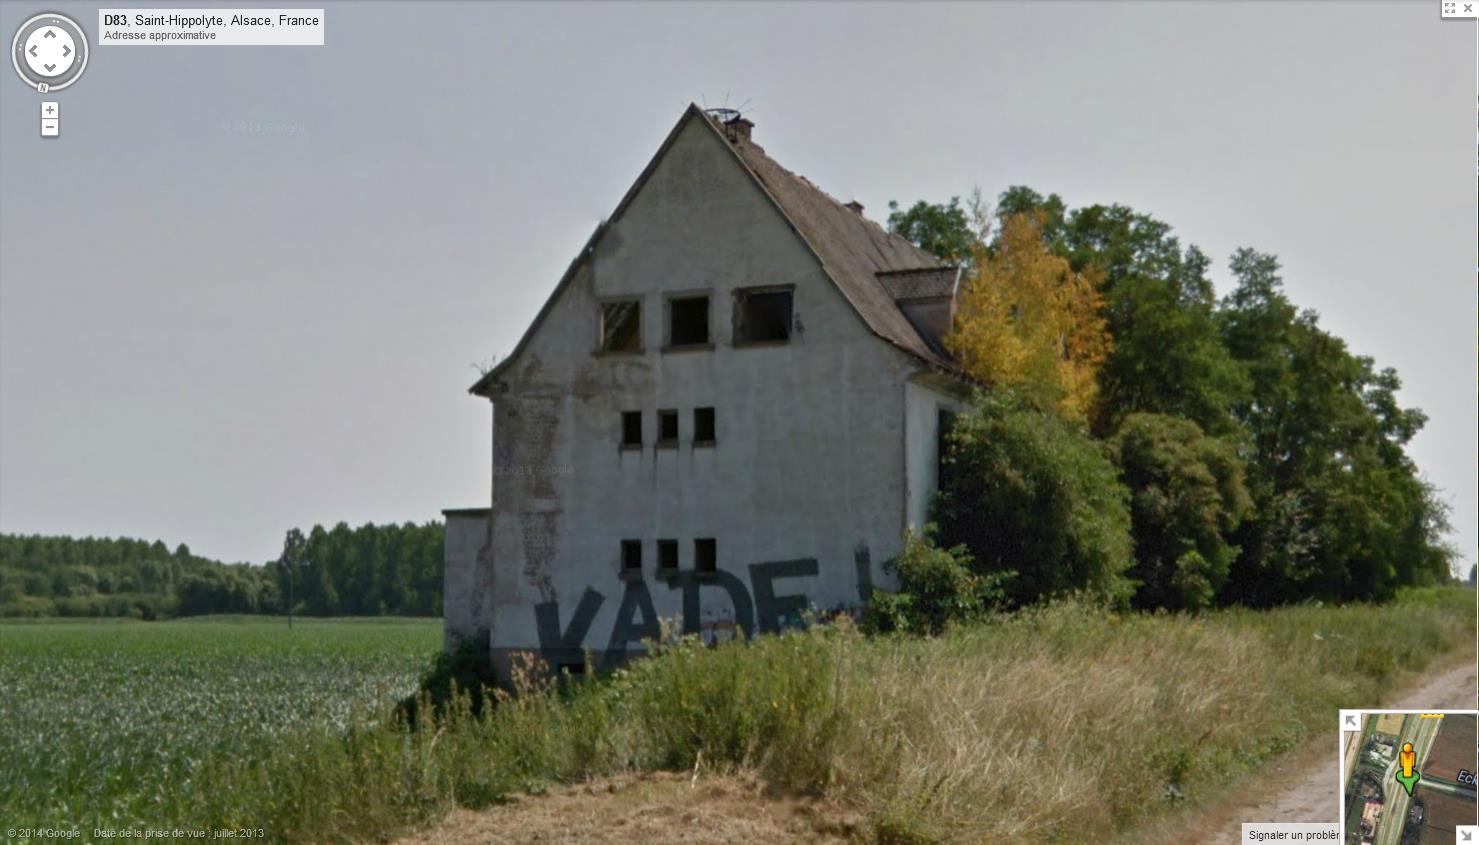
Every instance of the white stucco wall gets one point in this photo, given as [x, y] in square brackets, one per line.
[464, 583]
[923, 402]
[810, 459]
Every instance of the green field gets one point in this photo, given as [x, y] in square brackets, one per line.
[118, 723]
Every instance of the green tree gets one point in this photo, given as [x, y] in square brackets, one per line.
[1167, 356]
[1186, 498]
[1339, 508]
[949, 230]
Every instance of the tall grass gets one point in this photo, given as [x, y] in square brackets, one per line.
[1057, 724]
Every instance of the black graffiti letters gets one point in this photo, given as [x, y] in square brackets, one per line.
[767, 610]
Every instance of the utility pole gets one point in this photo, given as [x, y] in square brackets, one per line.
[293, 548]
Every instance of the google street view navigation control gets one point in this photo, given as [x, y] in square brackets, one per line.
[1407, 777]
[50, 51]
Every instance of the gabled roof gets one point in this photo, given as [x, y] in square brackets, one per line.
[851, 249]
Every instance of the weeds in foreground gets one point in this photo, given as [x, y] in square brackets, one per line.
[1052, 724]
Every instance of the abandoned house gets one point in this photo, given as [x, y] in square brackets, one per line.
[728, 412]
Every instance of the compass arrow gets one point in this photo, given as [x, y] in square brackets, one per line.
[66, 51]
[33, 49]
[50, 33]
[49, 67]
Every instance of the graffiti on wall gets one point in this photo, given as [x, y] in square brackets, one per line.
[764, 606]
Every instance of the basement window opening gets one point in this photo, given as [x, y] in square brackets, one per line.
[667, 428]
[621, 326]
[688, 321]
[705, 556]
[667, 556]
[631, 429]
[762, 316]
[703, 426]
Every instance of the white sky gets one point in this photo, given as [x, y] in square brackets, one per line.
[212, 329]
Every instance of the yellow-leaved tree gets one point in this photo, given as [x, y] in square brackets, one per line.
[1027, 321]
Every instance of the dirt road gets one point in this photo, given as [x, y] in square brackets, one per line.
[656, 809]
[1304, 786]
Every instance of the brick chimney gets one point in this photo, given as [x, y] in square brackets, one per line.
[738, 129]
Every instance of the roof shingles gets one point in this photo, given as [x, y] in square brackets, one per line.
[931, 283]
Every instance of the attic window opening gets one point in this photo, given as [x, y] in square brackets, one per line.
[688, 321]
[667, 428]
[762, 315]
[621, 326]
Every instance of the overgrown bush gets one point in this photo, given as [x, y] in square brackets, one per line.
[466, 670]
[1026, 492]
[936, 587]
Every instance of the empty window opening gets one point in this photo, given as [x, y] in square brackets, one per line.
[688, 321]
[667, 428]
[621, 326]
[631, 428]
[631, 555]
[667, 555]
[703, 425]
[763, 315]
[705, 556]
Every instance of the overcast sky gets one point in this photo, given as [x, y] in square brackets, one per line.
[244, 290]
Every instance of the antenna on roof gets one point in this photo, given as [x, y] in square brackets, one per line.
[734, 121]
[723, 115]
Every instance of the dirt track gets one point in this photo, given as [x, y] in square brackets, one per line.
[660, 808]
[1304, 786]
[667, 809]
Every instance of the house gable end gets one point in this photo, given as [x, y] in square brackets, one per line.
[603, 244]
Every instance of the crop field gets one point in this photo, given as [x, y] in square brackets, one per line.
[1453, 750]
[1062, 723]
[1443, 813]
[115, 724]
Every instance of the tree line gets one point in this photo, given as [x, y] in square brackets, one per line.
[1137, 437]
[370, 570]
